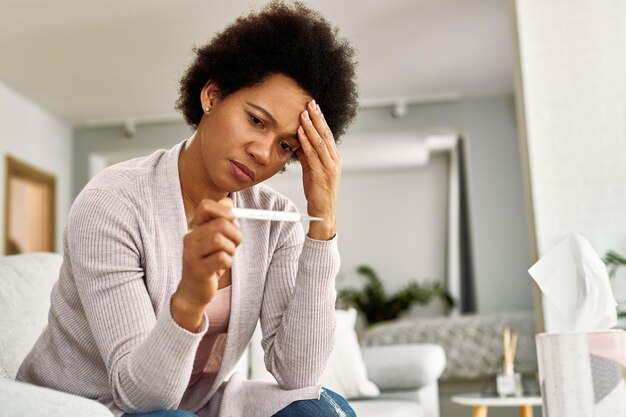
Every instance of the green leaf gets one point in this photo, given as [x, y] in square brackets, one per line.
[376, 305]
[613, 261]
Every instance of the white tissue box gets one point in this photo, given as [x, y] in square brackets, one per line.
[583, 374]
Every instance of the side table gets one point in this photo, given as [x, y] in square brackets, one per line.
[481, 402]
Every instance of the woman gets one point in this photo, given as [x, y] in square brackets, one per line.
[161, 288]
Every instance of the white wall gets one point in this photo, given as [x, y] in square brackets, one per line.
[573, 68]
[32, 135]
[498, 220]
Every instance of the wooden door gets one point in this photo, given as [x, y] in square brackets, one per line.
[29, 209]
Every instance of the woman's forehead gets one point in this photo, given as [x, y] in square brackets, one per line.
[278, 95]
[280, 85]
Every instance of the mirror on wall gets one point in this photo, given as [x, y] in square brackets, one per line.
[29, 210]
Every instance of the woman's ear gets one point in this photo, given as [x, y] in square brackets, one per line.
[209, 95]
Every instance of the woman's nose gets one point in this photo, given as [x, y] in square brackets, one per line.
[261, 150]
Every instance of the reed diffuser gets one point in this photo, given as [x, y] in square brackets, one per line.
[509, 382]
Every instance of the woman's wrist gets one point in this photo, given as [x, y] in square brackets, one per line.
[322, 230]
[186, 315]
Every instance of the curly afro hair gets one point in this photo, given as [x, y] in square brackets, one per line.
[289, 39]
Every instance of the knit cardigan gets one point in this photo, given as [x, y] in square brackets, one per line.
[111, 336]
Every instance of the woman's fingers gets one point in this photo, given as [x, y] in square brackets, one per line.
[212, 229]
[318, 136]
[218, 262]
[210, 209]
[212, 238]
[319, 122]
[216, 235]
[311, 156]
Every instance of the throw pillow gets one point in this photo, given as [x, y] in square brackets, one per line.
[346, 373]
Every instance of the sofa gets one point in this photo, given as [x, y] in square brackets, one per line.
[473, 346]
[407, 375]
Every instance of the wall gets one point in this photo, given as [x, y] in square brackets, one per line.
[112, 142]
[573, 70]
[499, 229]
[499, 226]
[31, 134]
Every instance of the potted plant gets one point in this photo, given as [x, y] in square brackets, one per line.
[377, 305]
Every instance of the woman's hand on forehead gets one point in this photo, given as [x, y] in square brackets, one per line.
[321, 170]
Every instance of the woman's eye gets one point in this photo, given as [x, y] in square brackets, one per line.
[256, 120]
[285, 147]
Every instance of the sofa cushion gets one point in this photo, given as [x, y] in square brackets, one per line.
[409, 366]
[386, 408]
[19, 399]
[25, 285]
[345, 372]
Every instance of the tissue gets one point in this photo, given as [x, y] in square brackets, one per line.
[582, 364]
[575, 282]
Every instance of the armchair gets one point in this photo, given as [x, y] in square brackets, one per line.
[25, 285]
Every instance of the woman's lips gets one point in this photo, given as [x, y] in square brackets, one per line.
[242, 172]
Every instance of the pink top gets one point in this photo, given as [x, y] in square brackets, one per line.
[211, 348]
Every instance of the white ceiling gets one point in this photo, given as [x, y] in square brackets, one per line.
[96, 61]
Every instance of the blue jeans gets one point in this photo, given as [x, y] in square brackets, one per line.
[330, 404]
[163, 413]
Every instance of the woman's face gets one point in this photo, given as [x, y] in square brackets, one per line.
[250, 135]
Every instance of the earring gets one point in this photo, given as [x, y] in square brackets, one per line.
[208, 109]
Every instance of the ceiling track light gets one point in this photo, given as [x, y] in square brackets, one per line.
[399, 109]
[130, 128]
[399, 105]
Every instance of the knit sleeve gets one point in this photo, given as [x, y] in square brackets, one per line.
[148, 357]
[297, 314]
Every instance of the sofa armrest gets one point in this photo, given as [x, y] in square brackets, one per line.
[409, 366]
[22, 399]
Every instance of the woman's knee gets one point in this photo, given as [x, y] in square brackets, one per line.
[339, 404]
[330, 404]
[163, 413]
